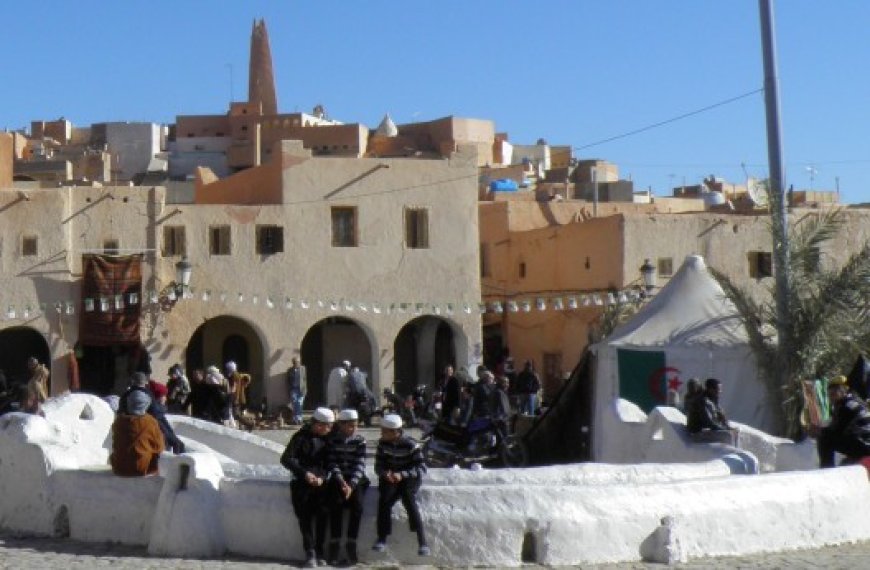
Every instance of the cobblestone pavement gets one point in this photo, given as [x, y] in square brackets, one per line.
[51, 553]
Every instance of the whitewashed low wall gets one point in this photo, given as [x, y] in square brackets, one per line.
[561, 515]
[625, 434]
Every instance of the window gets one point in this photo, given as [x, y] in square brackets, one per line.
[110, 247]
[344, 227]
[219, 240]
[29, 246]
[174, 243]
[760, 264]
[522, 269]
[270, 239]
[417, 228]
[484, 260]
[665, 266]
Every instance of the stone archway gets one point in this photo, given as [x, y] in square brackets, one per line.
[326, 344]
[225, 338]
[17, 344]
[423, 347]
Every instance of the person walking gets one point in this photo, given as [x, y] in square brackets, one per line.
[306, 457]
[346, 459]
[297, 385]
[38, 380]
[400, 468]
[336, 385]
[237, 385]
[179, 390]
[528, 385]
[848, 432]
[451, 393]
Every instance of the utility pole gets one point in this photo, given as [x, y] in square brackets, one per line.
[779, 207]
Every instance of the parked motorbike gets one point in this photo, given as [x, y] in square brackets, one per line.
[447, 445]
[414, 408]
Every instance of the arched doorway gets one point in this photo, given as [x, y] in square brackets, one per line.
[17, 344]
[422, 349]
[105, 370]
[325, 346]
[226, 338]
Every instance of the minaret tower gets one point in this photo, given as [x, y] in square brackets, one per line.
[261, 80]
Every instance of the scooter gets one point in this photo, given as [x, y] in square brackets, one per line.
[484, 441]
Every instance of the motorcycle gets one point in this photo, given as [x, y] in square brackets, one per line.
[414, 408]
[484, 441]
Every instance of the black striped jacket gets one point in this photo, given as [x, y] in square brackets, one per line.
[403, 456]
[346, 458]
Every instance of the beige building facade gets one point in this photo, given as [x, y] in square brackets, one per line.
[532, 251]
[325, 258]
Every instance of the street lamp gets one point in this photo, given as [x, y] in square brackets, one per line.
[648, 272]
[183, 270]
[179, 288]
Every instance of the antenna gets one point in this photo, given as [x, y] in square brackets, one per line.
[812, 170]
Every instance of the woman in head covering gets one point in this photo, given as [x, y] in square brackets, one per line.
[137, 441]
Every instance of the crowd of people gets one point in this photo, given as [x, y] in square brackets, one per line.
[25, 396]
[496, 394]
[327, 460]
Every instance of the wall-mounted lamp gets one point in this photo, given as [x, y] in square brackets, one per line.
[178, 289]
[648, 273]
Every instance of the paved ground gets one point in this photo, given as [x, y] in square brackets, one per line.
[49, 553]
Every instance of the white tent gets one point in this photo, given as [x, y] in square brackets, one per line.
[689, 329]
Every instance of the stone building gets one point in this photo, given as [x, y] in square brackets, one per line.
[327, 258]
[533, 252]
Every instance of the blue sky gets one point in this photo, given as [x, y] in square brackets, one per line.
[569, 71]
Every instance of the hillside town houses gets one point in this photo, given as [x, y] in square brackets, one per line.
[259, 236]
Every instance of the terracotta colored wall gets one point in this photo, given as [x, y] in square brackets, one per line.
[258, 185]
[6, 153]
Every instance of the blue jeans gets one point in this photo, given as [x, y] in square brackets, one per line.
[296, 399]
[529, 404]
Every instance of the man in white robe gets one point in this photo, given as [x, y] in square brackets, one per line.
[336, 385]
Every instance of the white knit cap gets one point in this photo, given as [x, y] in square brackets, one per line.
[323, 415]
[348, 416]
[391, 421]
[231, 366]
[346, 363]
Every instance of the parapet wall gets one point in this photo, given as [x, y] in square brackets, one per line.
[564, 515]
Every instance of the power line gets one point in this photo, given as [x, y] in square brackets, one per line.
[671, 120]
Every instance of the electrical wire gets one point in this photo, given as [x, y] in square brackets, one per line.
[671, 120]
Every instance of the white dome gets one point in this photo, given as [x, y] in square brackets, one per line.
[387, 128]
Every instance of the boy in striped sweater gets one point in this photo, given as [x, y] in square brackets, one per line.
[400, 467]
[346, 460]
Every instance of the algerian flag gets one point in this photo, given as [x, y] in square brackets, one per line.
[644, 377]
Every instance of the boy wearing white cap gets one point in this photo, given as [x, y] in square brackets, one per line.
[305, 456]
[400, 467]
[346, 458]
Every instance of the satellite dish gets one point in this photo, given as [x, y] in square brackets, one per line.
[757, 190]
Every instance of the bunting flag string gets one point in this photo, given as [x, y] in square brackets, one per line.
[588, 300]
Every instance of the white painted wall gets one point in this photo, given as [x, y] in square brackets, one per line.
[575, 514]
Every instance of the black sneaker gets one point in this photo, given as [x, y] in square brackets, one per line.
[332, 551]
[350, 550]
[379, 546]
[423, 550]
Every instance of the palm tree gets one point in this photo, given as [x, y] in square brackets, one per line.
[828, 315]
